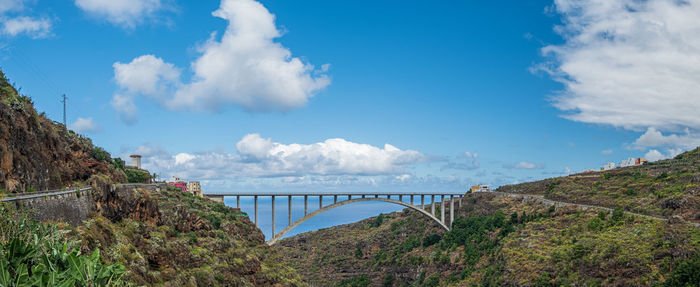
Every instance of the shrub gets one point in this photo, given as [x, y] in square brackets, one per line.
[543, 280]
[137, 176]
[388, 280]
[686, 274]
[36, 254]
[596, 224]
[618, 214]
[358, 252]
[359, 281]
[432, 281]
[100, 154]
[431, 239]
[377, 221]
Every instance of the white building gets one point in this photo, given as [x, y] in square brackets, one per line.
[609, 166]
[628, 162]
[135, 160]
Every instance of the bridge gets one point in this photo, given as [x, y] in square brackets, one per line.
[339, 199]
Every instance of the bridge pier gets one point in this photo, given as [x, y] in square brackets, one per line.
[238, 201]
[442, 209]
[320, 201]
[349, 197]
[400, 197]
[306, 205]
[452, 210]
[335, 199]
[289, 210]
[273, 216]
[432, 205]
[411, 199]
[376, 196]
[256, 209]
[422, 201]
[363, 196]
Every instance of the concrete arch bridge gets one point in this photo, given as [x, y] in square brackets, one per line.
[341, 199]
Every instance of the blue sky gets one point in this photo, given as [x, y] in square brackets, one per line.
[299, 95]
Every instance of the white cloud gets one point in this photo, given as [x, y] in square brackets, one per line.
[124, 105]
[523, 165]
[13, 22]
[606, 152]
[11, 5]
[182, 158]
[628, 63]
[84, 125]
[654, 155]
[262, 158]
[654, 138]
[125, 13]
[333, 156]
[246, 67]
[35, 28]
[147, 75]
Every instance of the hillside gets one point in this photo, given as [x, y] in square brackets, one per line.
[509, 241]
[173, 238]
[664, 188]
[38, 154]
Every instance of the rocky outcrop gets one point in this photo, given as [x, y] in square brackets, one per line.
[37, 153]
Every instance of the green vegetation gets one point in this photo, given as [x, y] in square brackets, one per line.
[663, 188]
[36, 254]
[359, 281]
[686, 274]
[137, 175]
[378, 221]
[177, 239]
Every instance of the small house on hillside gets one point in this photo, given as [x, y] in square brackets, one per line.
[480, 188]
[177, 182]
[195, 188]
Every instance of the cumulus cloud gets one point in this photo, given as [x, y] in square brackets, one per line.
[147, 75]
[606, 152]
[13, 22]
[246, 67]
[654, 155]
[125, 13]
[654, 138]
[84, 125]
[259, 157]
[523, 165]
[333, 156]
[629, 63]
[632, 64]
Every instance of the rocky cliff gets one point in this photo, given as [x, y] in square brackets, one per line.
[37, 153]
[170, 238]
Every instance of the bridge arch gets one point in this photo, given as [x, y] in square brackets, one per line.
[278, 236]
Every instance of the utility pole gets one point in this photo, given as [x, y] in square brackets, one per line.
[64, 109]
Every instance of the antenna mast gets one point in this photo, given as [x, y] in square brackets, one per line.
[64, 109]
